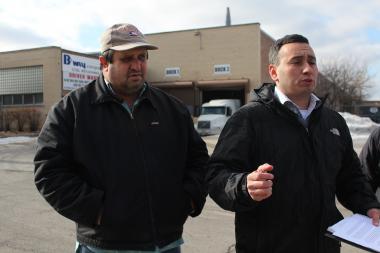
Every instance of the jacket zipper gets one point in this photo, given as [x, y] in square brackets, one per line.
[320, 244]
[149, 195]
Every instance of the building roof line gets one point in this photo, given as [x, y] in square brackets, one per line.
[29, 49]
[205, 28]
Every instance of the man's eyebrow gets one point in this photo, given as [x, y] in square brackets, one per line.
[128, 56]
[297, 57]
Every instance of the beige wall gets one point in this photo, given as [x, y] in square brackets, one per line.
[50, 59]
[266, 43]
[197, 51]
[244, 47]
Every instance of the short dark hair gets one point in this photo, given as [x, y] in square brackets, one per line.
[275, 48]
[108, 55]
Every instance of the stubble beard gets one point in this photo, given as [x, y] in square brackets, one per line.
[132, 88]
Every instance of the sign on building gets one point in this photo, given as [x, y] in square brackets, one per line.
[78, 71]
[222, 69]
[175, 71]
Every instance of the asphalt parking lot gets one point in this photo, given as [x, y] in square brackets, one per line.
[29, 224]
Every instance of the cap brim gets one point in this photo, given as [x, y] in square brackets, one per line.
[134, 45]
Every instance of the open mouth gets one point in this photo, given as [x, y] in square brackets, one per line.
[307, 81]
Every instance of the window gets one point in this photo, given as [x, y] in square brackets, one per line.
[17, 99]
[21, 86]
[23, 80]
[213, 110]
[28, 99]
[7, 100]
[21, 99]
[39, 98]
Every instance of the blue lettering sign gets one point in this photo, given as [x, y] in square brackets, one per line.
[79, 64]
[66, 59]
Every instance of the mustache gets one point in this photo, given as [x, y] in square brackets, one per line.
[135, 73]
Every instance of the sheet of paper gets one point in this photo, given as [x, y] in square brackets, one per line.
[358, 229]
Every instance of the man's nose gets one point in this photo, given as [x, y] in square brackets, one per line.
[135, 64]
[307, 68]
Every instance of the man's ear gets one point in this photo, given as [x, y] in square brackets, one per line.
[273, 72]
[103, 62]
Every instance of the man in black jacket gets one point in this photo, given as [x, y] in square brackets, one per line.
[281, 160]
[370, 159]
[121, 158]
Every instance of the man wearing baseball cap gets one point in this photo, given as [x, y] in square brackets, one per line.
[121, 158]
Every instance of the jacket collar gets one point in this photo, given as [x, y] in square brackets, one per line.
[265, 94]
[101, 93]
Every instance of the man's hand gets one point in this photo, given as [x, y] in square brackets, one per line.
[374, 213]
[259, 182]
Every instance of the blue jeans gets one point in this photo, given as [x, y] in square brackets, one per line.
[84, 249]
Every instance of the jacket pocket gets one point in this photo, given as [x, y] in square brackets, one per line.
[125, 209]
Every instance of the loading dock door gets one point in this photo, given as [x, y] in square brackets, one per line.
[184, 91]
[222, 89]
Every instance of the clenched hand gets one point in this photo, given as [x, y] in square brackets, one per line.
[259, 182]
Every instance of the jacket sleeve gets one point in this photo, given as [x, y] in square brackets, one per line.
[369, 157]
[353, 189]
[229, 164]
[197, 158]
[56, 174]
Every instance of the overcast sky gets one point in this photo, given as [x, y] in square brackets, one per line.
[336, 29]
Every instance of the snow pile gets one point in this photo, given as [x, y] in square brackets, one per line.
[16, 139]
[360, 127]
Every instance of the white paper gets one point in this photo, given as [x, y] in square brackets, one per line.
[358, 229]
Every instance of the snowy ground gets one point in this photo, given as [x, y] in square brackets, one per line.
[359, 126]
[16, 139]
